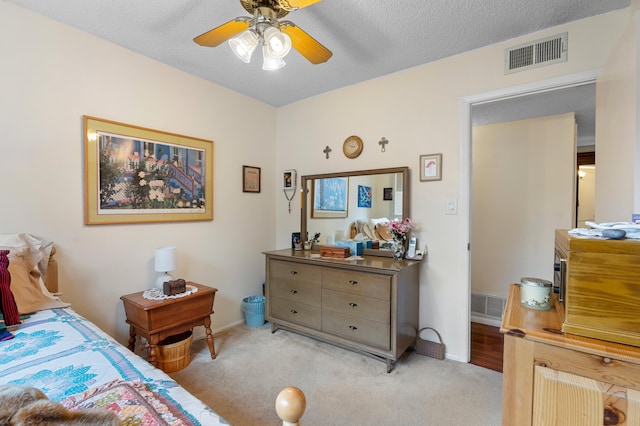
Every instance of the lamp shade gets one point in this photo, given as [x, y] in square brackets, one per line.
[165, 259]
[244, 44]
[277, 43]
[269, 62]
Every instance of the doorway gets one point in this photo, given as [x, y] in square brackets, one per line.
[549, 87]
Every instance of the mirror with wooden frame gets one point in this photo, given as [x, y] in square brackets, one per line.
[333, 203]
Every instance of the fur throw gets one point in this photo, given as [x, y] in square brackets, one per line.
[27, 406]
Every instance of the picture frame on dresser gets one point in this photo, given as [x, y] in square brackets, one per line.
[134, 174]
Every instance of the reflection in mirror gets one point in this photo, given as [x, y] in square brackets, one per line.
[334, 203]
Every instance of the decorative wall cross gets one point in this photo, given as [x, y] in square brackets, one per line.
[326, 151]
[382, 143]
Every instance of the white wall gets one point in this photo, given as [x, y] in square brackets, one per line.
[51, 76]
[418, 111]
[523, 178]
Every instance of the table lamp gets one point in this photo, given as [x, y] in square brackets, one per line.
[165, 262]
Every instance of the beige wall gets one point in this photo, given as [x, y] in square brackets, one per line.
[586, 195]
[419, 111]
[523, 178]
[617, 137]
[51, 76]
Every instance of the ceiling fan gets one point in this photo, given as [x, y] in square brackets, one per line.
[244, 34]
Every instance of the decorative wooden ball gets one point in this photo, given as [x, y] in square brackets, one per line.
[290, 405]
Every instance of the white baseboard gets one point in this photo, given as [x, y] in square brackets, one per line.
[486, 321]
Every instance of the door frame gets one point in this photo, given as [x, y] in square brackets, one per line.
[466, 127]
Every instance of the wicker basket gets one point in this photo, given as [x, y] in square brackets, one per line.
[428, 348]
[174, 353]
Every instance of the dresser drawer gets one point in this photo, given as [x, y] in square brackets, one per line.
[369, 308]
[357, 329]
[295, 272]
[362, 283]
[602, 368]
[297, 291]
[295, 312]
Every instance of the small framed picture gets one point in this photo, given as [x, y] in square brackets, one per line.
[250, 179]
[364, 196]
[430, 167]
[289, 179]
[387, 194]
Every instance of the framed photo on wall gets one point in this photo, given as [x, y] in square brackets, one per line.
[250, 179]
[387, 194]
[289, 178]
[330, 197]
[430, 167]
[364, 196]
[137, 175]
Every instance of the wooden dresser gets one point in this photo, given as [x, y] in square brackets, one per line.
[368, 305]
[551, 378]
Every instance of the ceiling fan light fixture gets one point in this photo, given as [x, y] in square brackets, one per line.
[276, 42]
[271, 63]
[244, 44]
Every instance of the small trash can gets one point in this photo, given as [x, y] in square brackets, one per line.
[253, 310]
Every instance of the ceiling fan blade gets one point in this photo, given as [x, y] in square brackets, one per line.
[308, 47]
[296, 4]
[223, 33]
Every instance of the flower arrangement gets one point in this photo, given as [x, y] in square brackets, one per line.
[399, 230]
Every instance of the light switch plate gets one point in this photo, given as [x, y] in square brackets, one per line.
[451, 206]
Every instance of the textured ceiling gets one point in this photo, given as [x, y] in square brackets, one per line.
[368, 38]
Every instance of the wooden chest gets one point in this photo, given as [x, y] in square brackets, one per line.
[602, 297]
[333, 251]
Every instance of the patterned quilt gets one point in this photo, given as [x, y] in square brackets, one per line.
[74, 362]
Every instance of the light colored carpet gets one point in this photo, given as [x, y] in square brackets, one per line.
[341, 387]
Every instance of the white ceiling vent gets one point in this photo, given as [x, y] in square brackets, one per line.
[538, 53]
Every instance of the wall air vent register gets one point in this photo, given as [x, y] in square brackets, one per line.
[538, 53]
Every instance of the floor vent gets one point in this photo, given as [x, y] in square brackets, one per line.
[487, 309]
[538, 53]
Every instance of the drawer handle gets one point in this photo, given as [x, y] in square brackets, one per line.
[353, 305]
[353, 282]
[353, 327]
[294, 292]
[294, 272]
[293, 311]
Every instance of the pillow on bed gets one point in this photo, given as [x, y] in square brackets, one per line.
[36, 249]
[133, 402]
[25, 286]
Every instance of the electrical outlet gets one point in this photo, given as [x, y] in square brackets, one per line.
[451, 206]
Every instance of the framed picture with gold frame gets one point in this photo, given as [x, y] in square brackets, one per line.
[134, 174]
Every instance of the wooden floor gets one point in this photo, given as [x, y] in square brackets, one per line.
[486, 346]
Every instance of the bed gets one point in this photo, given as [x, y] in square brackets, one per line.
[76, 363]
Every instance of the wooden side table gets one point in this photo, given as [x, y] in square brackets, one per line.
[156, 320]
